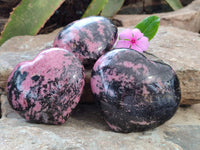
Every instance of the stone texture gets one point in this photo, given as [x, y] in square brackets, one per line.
[88, 38]
[86, 130]
[48, 88]
[187, 18]
[134, 94]
[181, 50]
[176, 47]
[178, 134]
[45, 140]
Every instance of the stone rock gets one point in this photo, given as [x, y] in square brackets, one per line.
[187, 18]
[44, 91]
[134, 94]
[21, 137]
[88, 38]
[178, 134]
[176, 47]
[86, 130]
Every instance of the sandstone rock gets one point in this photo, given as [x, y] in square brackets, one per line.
[187, 18]
[176, 47]
[86, 130]
[21, 137]
[178, 134]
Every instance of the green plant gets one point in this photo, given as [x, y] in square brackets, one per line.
[139, 39]
[106, 8]
[30, 16]
[149, 26]
[174, 4]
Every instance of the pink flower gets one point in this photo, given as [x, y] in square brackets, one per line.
[132, 39]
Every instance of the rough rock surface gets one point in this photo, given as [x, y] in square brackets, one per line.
[86, 130]
[176, 47]
[187, 18]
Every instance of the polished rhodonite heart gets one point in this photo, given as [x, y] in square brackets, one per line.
[46, 89]
[134, 93]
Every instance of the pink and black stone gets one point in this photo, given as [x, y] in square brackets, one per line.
[88, 38]
[133, 92]
[46, 89]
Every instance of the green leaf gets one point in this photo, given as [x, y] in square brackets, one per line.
[28, 17]
[94, 8]
[174, 4]
[149, 26]
[111, 8]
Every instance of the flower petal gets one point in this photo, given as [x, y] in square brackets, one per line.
[137, 48]
[122, 44]
[126, 34]
[137, 34]
[143, 43]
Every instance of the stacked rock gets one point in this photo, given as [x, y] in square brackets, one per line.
[133, 92]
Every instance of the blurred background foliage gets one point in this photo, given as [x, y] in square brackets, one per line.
[70, 10]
